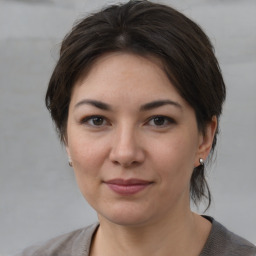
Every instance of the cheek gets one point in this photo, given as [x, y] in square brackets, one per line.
[174, 161]
[176, 152]
[86, 165]
[89, 155]
[86, 150]
[85, 159]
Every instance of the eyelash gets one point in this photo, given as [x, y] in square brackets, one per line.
[166, 121]
[87, 119]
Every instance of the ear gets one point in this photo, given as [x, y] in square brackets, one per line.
[69, 156]
[205, 141]
[67, 147]
[67, 150]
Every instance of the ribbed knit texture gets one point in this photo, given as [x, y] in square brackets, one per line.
[221, 242]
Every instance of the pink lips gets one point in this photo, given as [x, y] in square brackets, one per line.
[127, 187]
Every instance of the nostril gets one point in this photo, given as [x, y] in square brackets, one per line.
[116, 163]
[131, 164]
[125, 164]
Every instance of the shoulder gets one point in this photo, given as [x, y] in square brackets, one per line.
[74, 243]
[223, 242]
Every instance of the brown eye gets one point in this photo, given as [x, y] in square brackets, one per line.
[160, 121]
[94, 121]
[97, 121]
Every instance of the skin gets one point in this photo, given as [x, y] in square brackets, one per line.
[125, 137]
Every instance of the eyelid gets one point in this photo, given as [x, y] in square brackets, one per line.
[85, 120]
[169, 119]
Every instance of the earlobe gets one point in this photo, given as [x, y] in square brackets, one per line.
[69, 157]
[70, 161]
[66, 145]
[205, 144]
[67, 149]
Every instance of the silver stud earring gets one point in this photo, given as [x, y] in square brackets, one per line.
[70, 161]
[201, 161]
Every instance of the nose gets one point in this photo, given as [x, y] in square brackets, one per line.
[126, 149]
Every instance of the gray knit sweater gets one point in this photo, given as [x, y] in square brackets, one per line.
[220, 242]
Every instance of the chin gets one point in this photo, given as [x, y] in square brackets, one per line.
[126, 217]
[129, 221]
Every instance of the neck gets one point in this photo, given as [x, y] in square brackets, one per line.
[177, 236]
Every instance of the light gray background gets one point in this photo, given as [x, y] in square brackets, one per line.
[38, 194]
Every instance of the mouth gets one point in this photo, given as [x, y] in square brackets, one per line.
[127, 187]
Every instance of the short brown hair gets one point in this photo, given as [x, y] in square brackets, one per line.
[147, 29]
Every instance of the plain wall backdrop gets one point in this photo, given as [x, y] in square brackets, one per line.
[39, 198]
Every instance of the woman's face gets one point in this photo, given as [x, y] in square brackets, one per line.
[133, 141]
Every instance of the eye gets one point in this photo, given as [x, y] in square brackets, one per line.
[161, 121]
[94, 121]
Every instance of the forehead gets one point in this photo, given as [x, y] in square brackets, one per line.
[115, 72]
[120, 57]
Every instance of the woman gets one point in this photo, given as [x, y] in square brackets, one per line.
[136, 97]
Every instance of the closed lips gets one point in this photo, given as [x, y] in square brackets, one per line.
[127, 187]
[129, 182]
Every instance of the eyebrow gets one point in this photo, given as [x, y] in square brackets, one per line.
[95, 103]
[145, 107]
[159, 103]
